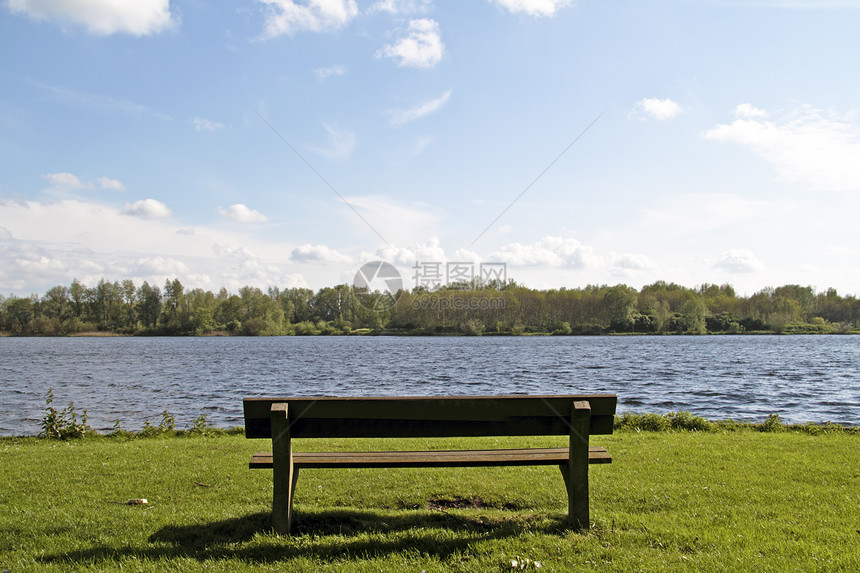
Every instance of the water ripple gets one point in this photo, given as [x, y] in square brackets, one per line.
[803, 378]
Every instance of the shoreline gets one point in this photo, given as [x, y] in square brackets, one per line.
[672, 422]
[418, 333]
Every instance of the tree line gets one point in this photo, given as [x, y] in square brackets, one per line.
[122, 307]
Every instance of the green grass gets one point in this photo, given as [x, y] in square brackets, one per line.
[705, 501]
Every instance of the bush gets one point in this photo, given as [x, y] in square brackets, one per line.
[255, 327]
[305, 328]
[564, 329]
[642, 422]
[119, 432]
[167, 425]
[687, 421]
[679, 421]
[772, 424]
[63, 424]
[472, 327]
[199, 426]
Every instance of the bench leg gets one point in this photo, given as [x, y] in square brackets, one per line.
[284, 473]
[576, 471]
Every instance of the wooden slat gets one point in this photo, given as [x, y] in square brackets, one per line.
[433, 458]
[434, 416]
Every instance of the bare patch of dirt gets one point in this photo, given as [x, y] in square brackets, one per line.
[456, 502]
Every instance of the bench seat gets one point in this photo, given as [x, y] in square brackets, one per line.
[283, 420]
[433, 458]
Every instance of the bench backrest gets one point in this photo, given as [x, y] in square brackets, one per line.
[414, 417]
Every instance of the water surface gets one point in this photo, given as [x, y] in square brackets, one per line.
[803, 378]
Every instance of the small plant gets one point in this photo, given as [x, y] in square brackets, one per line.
[118, 430]
[167, 424]
[642, 422]
[689, 422]
[63, 424]
[199, 426]
[772, 424]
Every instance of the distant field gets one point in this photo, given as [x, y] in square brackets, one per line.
[705, 501]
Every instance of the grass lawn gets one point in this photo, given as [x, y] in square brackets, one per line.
[703, 501]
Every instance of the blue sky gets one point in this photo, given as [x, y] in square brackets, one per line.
[286, 142]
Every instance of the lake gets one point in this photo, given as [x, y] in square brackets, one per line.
[802, 378]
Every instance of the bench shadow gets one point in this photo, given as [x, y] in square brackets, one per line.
[335, 534]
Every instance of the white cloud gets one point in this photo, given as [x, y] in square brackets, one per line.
[702, 213]
[50, 243]
[102, 17]
[243, 214]
[532, 7]
[166, 266]
[317, 253]
[202, 124]
[802, 4]
[429, 251]
[110, 184]
[289, 16]
[403, 116]
[71, 181]
[147, 209]
[655, 108]
[64, 180]
[398, 223]
[838, 251]
[402, 6]
[323, 74]
[738, 261]
[748, 110]
[634, 262]
[465, 255]
[240, 252]
[419, 144]
[421, 47]
[548, 252]
[340, 142]
[816, 149]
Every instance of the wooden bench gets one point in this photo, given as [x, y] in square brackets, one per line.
[282, 419]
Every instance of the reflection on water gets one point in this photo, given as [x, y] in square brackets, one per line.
[803, 378]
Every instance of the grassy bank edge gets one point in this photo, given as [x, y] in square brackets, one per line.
[67, 424]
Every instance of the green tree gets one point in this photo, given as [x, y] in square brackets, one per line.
[261, 314]
[174, 311]
[18, 313]
[620, 302]
[228, 311]
[78, 296]
[106, 304]
[56, 303]
[300, 299]
[129, 300]
[693, 315]
[201, 311]
[148, 305]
